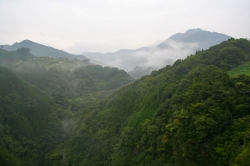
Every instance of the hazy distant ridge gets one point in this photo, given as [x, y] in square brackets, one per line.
[42, 50]
[178, 46]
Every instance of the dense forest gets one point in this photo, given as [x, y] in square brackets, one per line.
[72, 112]
[41, 99]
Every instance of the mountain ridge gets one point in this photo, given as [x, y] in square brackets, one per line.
[42, 50]
[175, 47]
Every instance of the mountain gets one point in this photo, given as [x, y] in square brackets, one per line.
[195, 112]
[41, 100]
[42, 50]
[71, 112]
[204, 39]
[155, 57]
[65, 77]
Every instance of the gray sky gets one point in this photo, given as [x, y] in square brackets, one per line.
[78, 26]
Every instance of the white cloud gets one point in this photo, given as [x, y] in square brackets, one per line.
[154, 57]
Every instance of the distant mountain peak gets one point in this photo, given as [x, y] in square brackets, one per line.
[193, 30]
[188, 32]
[26, 40]
[203, 37]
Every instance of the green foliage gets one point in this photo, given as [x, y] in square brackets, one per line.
[8, 159]
[71, 83]
[242, 69]
[191, 113]
[230, 57]
[36, 124]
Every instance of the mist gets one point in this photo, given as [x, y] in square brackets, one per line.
[147, 57]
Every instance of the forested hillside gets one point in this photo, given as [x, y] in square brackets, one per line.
[27, 122]
[71, 112]
[195, 112]
[41, 100]
[65, 79]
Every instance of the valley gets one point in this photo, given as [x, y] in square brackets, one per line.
[62, 111]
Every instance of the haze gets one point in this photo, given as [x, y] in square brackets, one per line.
[107, 26]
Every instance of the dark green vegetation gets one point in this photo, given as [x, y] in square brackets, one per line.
[25, 118]
[41, 100]
[190, 113]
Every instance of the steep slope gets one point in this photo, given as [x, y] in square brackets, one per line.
[190, 113]
[15, 94]
[38, 116]
[24, 112]
[42, 50]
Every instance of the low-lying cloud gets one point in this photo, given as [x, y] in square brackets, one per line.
[149, 57]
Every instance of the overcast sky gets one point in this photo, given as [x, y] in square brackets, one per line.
[78, 26]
